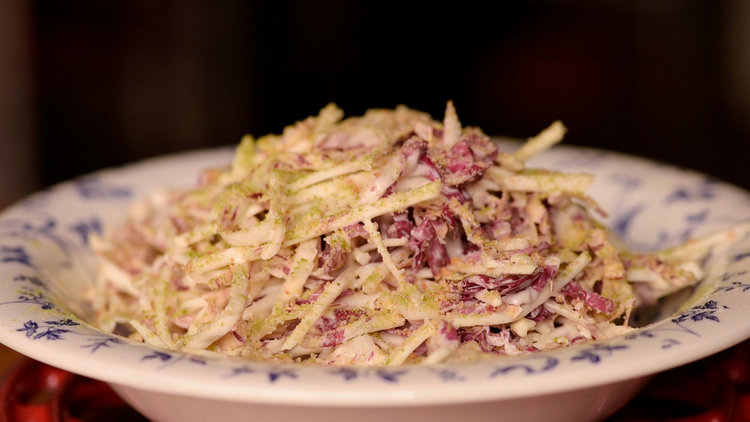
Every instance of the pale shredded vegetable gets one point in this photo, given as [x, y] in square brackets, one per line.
[383, 239]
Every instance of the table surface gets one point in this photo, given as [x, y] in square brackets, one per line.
[714, 389]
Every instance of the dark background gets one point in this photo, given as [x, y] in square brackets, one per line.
[90, 84]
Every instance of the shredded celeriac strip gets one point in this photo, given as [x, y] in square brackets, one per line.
[330, 293]
[228, 317]
[401, 352]
[323, 175]
[544, 140]
[305, 230]
[574, 184]
[302, 265]
[377, 240]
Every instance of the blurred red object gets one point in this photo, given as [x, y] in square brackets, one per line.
[35, 392]
[715, 389]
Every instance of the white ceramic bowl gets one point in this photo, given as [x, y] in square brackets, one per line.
[45, 263]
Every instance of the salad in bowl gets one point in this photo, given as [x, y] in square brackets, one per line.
[385, 265]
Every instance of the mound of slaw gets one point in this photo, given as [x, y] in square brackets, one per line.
[384, 239]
